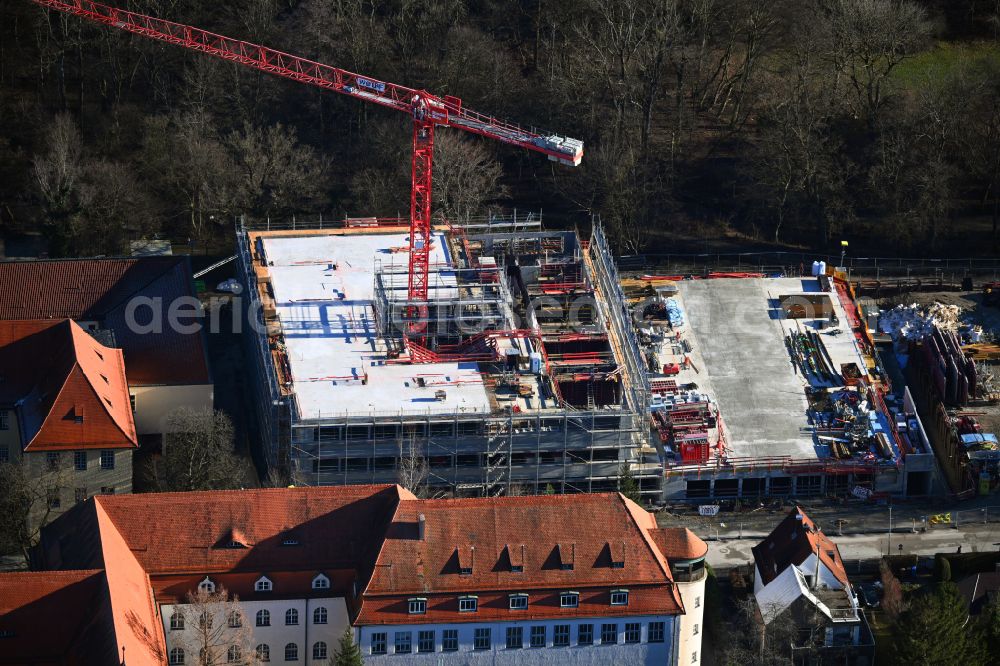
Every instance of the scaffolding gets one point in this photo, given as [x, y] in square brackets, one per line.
[568, 404]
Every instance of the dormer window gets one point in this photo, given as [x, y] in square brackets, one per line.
[289, 541]
[518, 601]
[516, 568]
[321, 582]
[466, 559]
[417, 606]
[567, 555]
[263, 584]
[206, 586]
[616, 552]
[619, 597]
[569, 600]
[468, 604]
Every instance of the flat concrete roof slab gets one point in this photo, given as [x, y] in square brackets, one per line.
[323, 289]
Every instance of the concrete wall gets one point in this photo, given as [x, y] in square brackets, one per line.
[618, 653]
[153, 404]
[276, 636]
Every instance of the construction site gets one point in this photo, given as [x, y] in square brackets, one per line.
[773, 386]
[518, 373]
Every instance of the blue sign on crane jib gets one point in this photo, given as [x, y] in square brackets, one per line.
[377, 86]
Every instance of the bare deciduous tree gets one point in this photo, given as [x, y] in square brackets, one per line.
[412, 470]
[198, 452]
[466, 177]
[216, 630]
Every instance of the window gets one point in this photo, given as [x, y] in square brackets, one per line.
[80, 460]
[291, 617]
[694, 632]
[291, 652]
[403, 642]
[107, 459]
[131, 403]
[482, 639]
[233, 654]
[694, 657]
[518, 601]
[425, 641]
[176, 621]
[235, 619]
[656, 632]
[319, 615]
[585, 634]
[321, 582]
[176, 656]
[53, 497]
[378, 643]
[609, 634]
[4, 453]
[697, 602]
[560, 635]
[515, 638]
[263, 652]
[449, 640]
[619, 597]
[468, 604]
[263, 584]
[205, 620]
[80, 494]
[4, 419]
[52, 459]
[319, 650]
[633, 632]
[206, 585]
[538, 636]
[569, 599]
[263, 618]
[417, 606]
[107, 490]
[516, 568]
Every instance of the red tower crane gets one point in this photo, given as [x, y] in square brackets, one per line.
[427, 110]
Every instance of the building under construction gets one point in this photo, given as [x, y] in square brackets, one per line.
[773, 386]
[520, 372]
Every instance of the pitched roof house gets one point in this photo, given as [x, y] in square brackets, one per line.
[376, 557]
[800, 578]
[66, 390]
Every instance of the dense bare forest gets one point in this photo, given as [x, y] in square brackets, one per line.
[753, 122]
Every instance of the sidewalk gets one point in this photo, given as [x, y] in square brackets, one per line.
[730, 552]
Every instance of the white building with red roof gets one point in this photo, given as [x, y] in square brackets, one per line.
[800, 578]
[539, 579]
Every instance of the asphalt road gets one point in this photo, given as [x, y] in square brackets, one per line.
[728, 553]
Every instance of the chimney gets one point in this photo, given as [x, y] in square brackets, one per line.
[421, 527]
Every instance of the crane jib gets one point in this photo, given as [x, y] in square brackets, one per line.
[428, 110]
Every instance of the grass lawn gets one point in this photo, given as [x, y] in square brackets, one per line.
[942, 60]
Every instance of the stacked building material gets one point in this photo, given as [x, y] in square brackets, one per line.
[953, 375]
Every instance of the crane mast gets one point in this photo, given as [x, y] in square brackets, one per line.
[427, 110]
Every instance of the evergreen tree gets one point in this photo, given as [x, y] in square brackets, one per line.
[627, 485]
[348, 652]
[934, 630]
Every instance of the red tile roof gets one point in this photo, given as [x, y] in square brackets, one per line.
[369, 535]
[69, 391]
[27, 600]
[791, 543]
[556, 531]
[101, 290]
[334, 527]
[679, 543]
